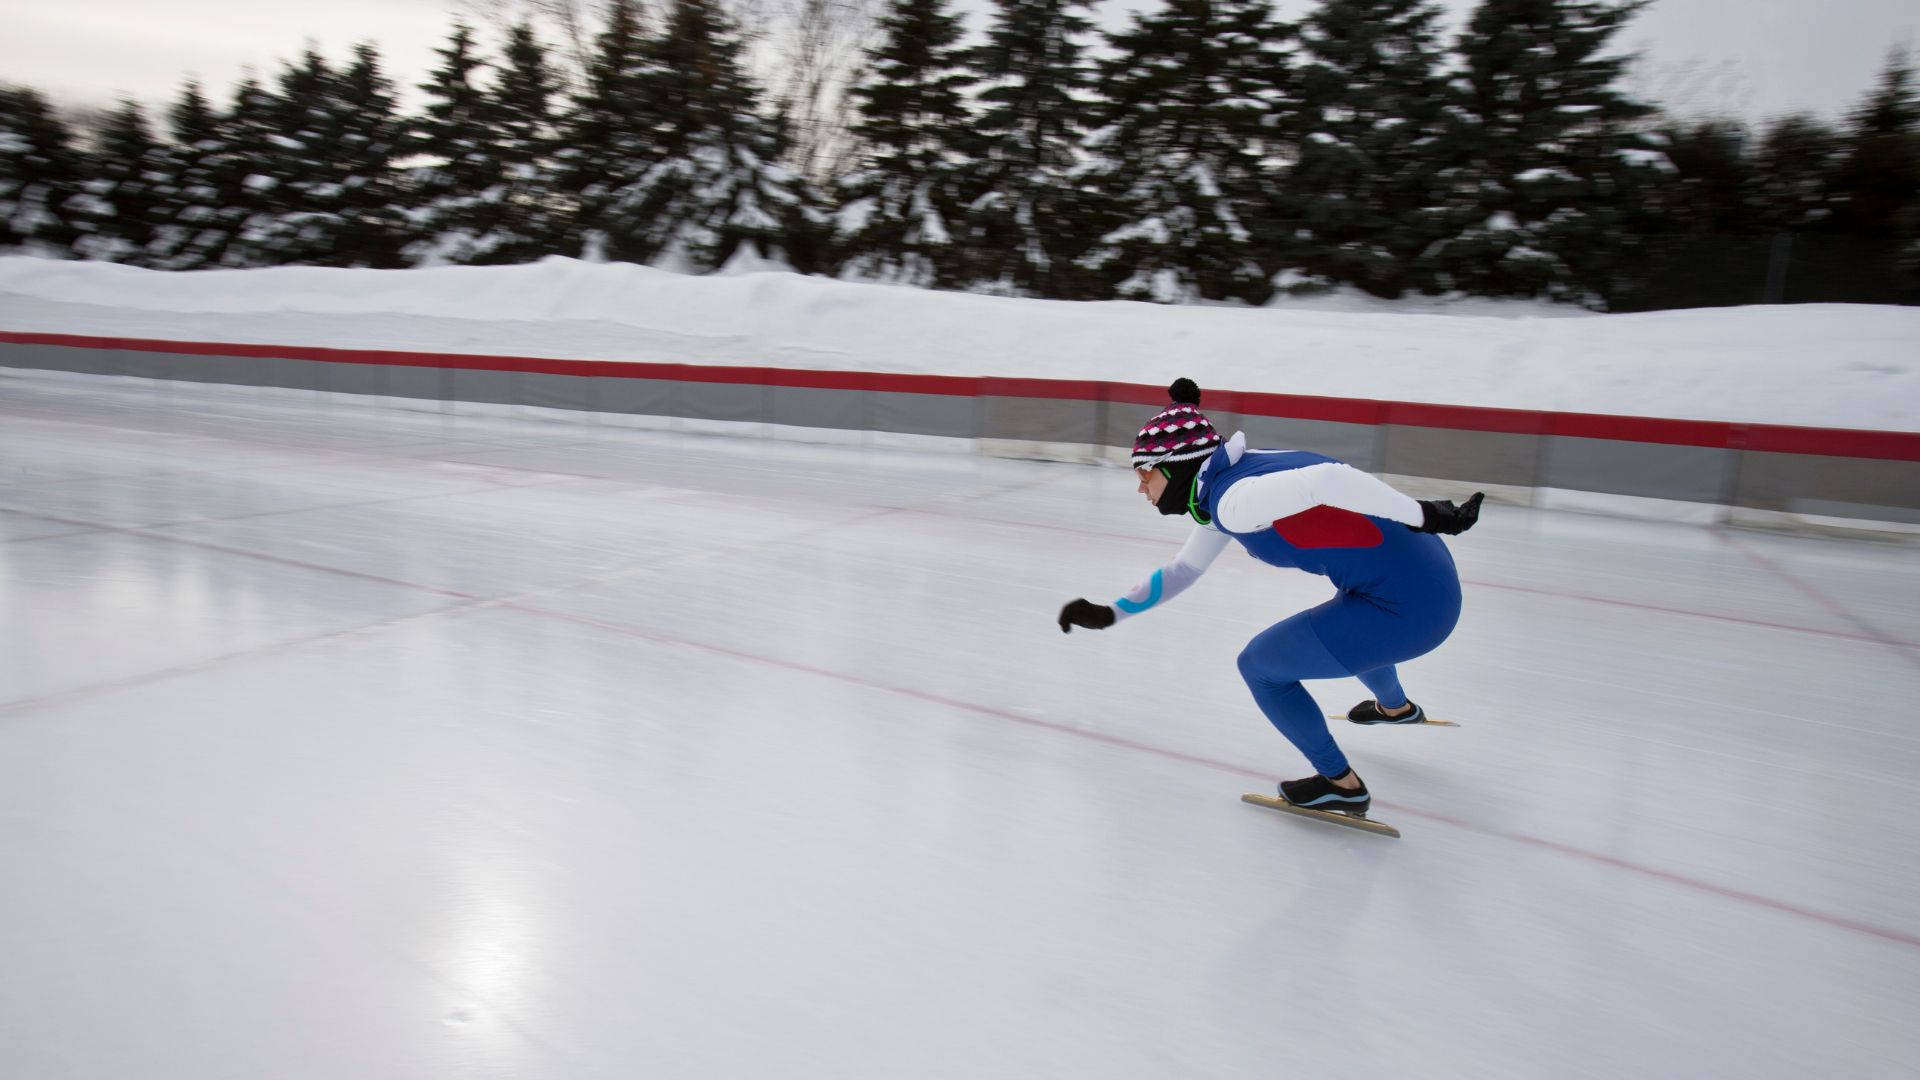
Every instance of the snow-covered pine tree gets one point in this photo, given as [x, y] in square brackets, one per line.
[334, 200]
[897, 213]
[1030, 216]
[251, 166]
[372, 140]
[124, 196]
[40, 172]
[1363, 196]
[454, 195]
[533, 215]
[1548, 154]
[296, 181]
[610, 137]
[1196, 98]
[716, 184]
[195, 221]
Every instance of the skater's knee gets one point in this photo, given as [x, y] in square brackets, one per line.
[1250, 667]
[1261, 673]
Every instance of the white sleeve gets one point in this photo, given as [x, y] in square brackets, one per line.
[1257, 502]
[1204, 544]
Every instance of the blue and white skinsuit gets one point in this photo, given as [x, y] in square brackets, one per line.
[1399, 593]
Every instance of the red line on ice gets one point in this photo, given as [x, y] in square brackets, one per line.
[1843, 922]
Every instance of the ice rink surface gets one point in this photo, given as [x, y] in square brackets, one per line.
[343, 741]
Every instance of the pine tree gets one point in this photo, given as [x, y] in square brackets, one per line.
[1794, 167]
[195, 220]
[1030, 217]
[898, 212]
[455, 196]
[124, 195]
[40, 174]
[296, 179]
[1550, 161]
[1196, 93]
[372, 138]
[611, 137]
[251, 169]
[1364, 195]
[328, 184]
[1711, 191]
[1878, 183]
[715, 185]
[533, 217]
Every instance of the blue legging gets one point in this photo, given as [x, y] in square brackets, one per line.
[1275, 661]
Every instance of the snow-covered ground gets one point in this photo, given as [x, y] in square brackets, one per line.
[1830, 365]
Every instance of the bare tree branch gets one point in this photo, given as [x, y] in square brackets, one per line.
[572, 22]
[818, 47]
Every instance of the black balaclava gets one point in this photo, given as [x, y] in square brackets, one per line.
[1178, 496]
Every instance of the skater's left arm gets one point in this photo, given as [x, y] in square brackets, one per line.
[1257, 502]
[1254, 504]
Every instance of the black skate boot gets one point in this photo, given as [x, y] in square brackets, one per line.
[1368, 712]
[1319, 793]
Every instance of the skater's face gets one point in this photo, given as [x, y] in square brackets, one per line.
[1153, 483]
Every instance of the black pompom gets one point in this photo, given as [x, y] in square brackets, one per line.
[1184, 392]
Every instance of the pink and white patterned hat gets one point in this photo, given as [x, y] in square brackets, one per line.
[1179, 432]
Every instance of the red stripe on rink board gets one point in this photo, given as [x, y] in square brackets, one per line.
[1467, 418]
[1711, 434]
[1837, 442]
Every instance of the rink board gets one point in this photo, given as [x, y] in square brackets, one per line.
[1851, 474]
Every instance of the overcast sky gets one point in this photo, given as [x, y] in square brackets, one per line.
[1746, 58]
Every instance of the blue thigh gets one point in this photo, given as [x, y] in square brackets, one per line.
[1273, 664]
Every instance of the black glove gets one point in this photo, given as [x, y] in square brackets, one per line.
[1085, 613]
[1444, 517]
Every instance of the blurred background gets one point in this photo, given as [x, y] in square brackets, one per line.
[1623, 157]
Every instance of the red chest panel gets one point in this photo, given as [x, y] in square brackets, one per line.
[1328, 527]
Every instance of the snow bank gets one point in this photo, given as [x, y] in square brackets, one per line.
[1828, 365]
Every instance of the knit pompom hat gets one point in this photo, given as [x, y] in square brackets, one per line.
[1179, 432]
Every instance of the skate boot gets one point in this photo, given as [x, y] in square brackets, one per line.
[1319, 793]
[1368, 712]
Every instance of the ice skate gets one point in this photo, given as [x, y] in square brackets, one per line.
[1369, 712]
[1319, 797]
[1316, 792]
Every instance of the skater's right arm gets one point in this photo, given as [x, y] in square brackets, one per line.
[1203, 546]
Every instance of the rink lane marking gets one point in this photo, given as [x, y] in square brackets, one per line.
[461, 600]
[146, 532]
[1908, 652]
[252, 652]
[1671, 877]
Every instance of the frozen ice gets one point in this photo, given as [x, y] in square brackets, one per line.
[340, 741]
